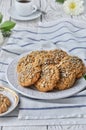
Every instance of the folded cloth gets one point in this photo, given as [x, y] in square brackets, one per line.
[33, 109]
[67, 34]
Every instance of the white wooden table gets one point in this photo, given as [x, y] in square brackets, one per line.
[54, 11]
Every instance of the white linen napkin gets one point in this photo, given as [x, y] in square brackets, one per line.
[68, 34]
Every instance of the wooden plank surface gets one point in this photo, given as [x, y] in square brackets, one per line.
[67, 127]
[58, 127]
[14, 121]
[26, 128]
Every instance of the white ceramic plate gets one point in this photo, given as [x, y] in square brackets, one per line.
[13, 97]
[12, 12]
[33, 93]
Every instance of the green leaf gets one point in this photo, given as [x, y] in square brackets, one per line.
[1, 17]
[61, 1]
[7, 25]
[84, 76]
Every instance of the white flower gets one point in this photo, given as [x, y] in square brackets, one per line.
[73, 7]
[1, 38]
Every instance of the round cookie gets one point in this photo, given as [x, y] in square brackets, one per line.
[67, 79]
[24, 61]
[58, 55]
[30, 75]
[34, 57]
[49, 76]
[75, 64]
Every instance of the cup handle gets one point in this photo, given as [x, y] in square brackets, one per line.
[34, 8]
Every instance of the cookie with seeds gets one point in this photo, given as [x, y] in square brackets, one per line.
[49, 76]
[30, 75]
[58, 55]
[67, 79]
[33, 57]
[24, 61]
[75, 64]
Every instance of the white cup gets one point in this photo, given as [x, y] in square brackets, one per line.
[25, 7]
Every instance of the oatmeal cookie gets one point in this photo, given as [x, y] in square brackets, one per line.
[4, 103]
[24, 61]
[75, 64]
[67, 79]
[30, 75]
[49, 76]
[34, 57]
[58, 55]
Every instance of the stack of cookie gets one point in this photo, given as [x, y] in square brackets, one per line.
[49, 70]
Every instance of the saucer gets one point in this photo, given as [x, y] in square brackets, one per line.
[15, 15]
